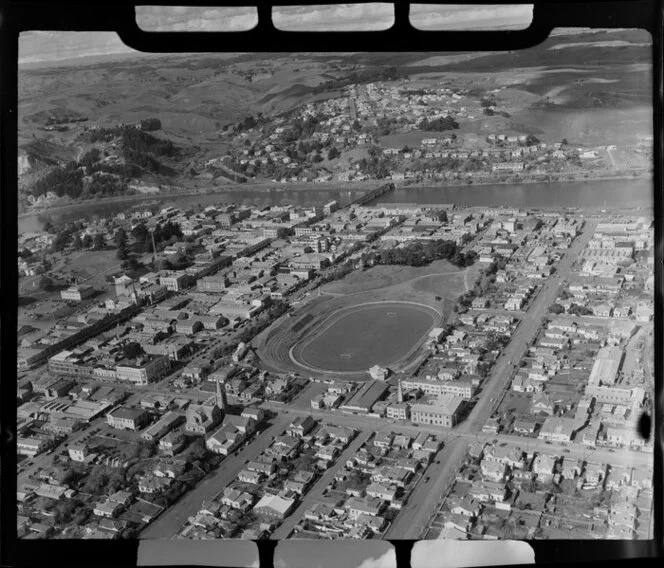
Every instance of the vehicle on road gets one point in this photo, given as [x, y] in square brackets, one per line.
[426, 479]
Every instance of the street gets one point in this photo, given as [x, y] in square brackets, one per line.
[316, 492]
[169, 523]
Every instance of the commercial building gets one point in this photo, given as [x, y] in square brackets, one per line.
[77, 293]
[127, 418]
[463, 387]
[232, 310]
[214, 284]
[606, 366]
[445, 412]
[176, 281]
[32, 446]
[398, 411]
[145, 372]
[364, 399]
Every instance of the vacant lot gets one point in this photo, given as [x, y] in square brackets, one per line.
[92, 264]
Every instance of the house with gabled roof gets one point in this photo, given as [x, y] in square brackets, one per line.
[544, 466]
[493, 470]
[366, 506]
[509, 455]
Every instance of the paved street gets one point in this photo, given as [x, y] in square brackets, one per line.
[412, 518]
[436, 481]
[316, 492]
[638, 459]
[423, 502]
[172, 520]
[507, 363]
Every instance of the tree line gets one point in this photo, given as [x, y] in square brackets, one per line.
[438, 124]
[422, 253]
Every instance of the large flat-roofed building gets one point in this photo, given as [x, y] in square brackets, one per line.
[32, 446]
[614, 395]
[124, 418]
[364, 399]
[69, 363]
[176, 281]
[77, 293]
[606, 366]
[232, 310]
[312, 261]
[80, 410]
[445, 412]
[463, 387]
[213, 284]
[145, 372]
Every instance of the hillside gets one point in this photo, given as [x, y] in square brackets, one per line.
[595, 85]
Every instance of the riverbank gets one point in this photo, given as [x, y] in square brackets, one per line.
[267, 188]
[617, 194]
[456, 184]
[258, 188]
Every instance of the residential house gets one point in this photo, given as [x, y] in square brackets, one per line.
[493, 470]
[301, 426]
[237, 499]
[544, 466]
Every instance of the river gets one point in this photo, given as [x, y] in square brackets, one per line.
[624, 194]
[611, 194]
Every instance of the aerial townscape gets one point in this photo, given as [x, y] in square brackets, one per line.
[324, 296]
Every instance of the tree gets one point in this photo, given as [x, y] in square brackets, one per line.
[62, 239]
[72, 476]
[132, 350]
[120, 237]
[140, 232]
[556, 309]
[147, 449]
[122, 252]
[578, 310]
[150, 124]
[87, 241]
[131, 264]
[46, 283]
[564, 142]
[98, 242]
[333, 153]
[96, 482]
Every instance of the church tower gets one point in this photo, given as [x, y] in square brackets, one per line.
[399, 392]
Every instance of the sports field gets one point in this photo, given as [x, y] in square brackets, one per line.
[357, 338]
